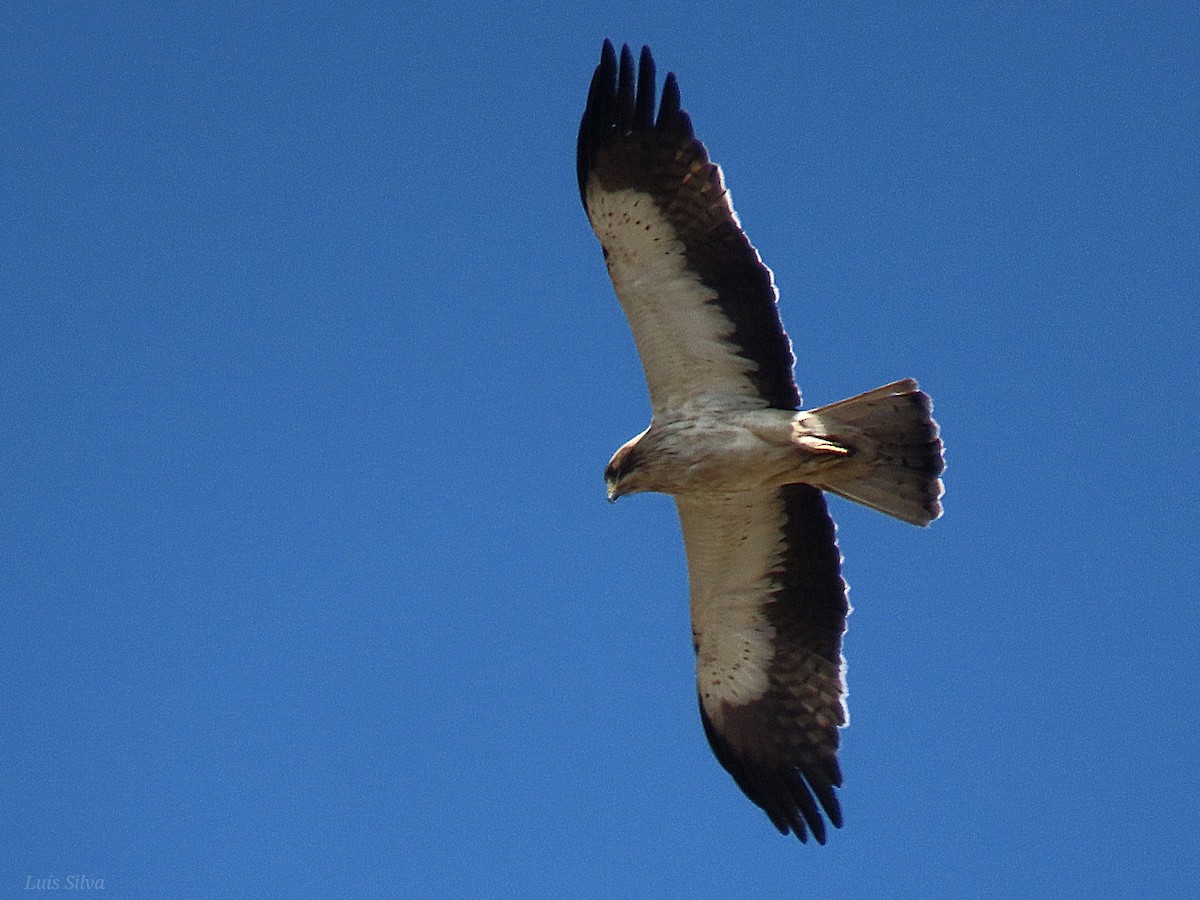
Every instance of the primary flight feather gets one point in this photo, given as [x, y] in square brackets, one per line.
[727, 440]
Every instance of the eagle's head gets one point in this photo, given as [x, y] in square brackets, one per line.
[621, 475]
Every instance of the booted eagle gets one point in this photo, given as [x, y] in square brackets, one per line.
[727, 440]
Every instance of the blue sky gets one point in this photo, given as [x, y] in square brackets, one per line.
[311, 368]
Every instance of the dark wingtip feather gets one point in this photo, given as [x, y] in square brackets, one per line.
[643, 116]
[621, 100]
[823, 788]
[598, 113]
[669, 108]
[785, 795]
[807, 806]
[625, 91]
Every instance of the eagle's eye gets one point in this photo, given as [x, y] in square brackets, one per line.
[622, 463]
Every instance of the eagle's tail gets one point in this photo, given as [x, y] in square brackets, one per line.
[894, 453]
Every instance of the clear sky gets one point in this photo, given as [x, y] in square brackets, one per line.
[310, 367]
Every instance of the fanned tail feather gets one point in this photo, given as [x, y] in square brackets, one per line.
[895, 460]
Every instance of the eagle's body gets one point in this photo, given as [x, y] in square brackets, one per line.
[727, 441]
[715, 452]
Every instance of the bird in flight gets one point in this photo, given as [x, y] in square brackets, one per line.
[728, 440]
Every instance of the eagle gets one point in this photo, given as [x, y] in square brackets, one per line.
[727, 439]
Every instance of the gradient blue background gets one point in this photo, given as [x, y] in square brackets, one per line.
[310, 367]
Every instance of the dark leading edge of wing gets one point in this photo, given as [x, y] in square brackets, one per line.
[623, 146]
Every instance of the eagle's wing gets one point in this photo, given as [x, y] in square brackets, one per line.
[699, 300]
[768, 611]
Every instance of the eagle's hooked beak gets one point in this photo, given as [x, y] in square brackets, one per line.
[620, 466]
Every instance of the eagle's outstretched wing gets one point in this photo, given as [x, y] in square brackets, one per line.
[768, 613]
[699, 300]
